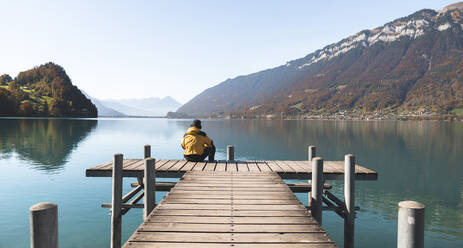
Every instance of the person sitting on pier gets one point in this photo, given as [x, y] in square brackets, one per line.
[197, 145]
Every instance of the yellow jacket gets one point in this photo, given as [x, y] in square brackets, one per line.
[194, 141]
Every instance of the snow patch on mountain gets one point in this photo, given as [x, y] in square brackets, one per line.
[444, 27]
[388, 33]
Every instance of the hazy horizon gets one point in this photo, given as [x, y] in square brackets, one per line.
[157, 49]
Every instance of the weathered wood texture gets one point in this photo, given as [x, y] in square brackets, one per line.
[230, 209]
[333, 170]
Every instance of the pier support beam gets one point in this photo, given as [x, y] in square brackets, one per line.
[149, 183]
[44, 225]
[410, 231]
[147, 153]
[317, 188]
[349, 199]
[116, 211]
[230, 152]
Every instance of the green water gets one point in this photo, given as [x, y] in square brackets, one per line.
[45, 160]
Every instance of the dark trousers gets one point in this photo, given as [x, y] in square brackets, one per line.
[208, 152]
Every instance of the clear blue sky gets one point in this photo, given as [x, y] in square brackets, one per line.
[137, 49]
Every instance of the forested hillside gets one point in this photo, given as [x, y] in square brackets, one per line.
[413, 64]
[45, 90]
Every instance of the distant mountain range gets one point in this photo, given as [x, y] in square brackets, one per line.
[414, 63]
[153, 106]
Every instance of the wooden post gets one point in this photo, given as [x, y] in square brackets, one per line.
[44, 225]
[116, 215]
[349, 199]
[147, 151]
[230, 152]
[311, 154]
[317, 188]
[149, 183]
[410, 231]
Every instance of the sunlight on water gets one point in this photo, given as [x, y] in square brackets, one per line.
[45, 160]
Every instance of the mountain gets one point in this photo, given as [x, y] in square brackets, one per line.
[45, 90]
[103, 110]
[412, 64]
[153, 106]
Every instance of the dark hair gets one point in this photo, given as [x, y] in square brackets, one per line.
[196, 123]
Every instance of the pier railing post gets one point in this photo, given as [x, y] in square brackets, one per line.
[311, 154]
[410, 231]
[149, 187]
[230, 152]
[44, 225]
[317, 189]
[116, 213]
[147, 153]
[349, 199]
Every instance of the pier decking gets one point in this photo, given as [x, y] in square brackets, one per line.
[231, 203]
[211, 208]
[332, 170]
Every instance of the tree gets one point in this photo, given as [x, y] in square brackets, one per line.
[5, 78]
[8, 103]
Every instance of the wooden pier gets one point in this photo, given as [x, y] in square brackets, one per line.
[332, 170]
[231, 203]
[230, 209]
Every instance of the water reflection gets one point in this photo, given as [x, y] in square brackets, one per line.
[45, 142]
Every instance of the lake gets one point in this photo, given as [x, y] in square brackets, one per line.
[45, 160]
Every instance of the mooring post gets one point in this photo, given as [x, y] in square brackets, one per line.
[230, 152]
[147, 151]
[410, 231]
[44, 225]
[116, 215]
[349, 199]
[149, 183]
[311, 154]
[317, 188]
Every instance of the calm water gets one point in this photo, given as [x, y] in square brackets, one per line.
[45, 160]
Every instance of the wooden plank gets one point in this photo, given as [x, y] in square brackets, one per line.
[99, 166]
[210, 166]
[188, 166]
[263, 166]
[232, 238]
[199, 166]
[294, 166]
[227, 219]
[160, 163]
[226, 228]
[141, 244]
[240, 213]
[236, 197]
[181, 206]
[253, 167]
[219, 192]
[242, 166]
[333, 167]
[170, 164]
[275, 167]
[235, 202]
[220, 166]
[178, 166]
[231, 166]
[236, 184]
